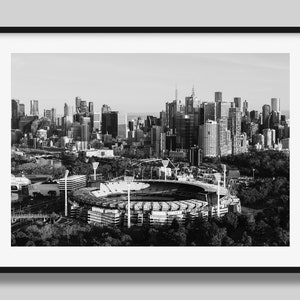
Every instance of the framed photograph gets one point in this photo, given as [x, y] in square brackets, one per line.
[150, 149]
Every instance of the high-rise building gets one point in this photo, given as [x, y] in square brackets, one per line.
[254, 115]
[218, 96]
[155, 134]
[66, 110]
[105, 109]
[110, 123]
[77, 104]
[189, 105]
[245, 108]
[83, 107]
[266, 110]
[122, 125]
[85, 135]
[97, 121]
[234, 125]
[21, 110]
[34, 107]
[238, 103]
[224, 137]
[91, 107]
[208, 138]
[275, 104]
[222, 109]
[53, 115]
[267, 133]
[185, 131]
[47, 113]
[208, 112]
[14, 114]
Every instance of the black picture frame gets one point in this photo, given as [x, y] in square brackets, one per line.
[145, 30]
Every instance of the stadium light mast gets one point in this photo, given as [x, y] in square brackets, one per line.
[129, 180]
[218, 178]
[95, 166]
[165, 163]
[66, 193]
[224, 175]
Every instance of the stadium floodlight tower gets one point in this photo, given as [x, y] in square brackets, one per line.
[66, 193]
[165, 163]
[95, 166]
[224, 174]
[218, 178]
[129, 180]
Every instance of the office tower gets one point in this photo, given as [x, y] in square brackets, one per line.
[47, 113]
[267, 133]
[189, 105]
[155, 134]
[275, 104]
[91, 107]
[238, 103]
[21, 110]
[254, 116]
[163, 118]
[208, 112]
[208, 138]
[222, 109]
[53, 115]
[245, 108]
[195, 156]
[218, 96]
[258, 139]
[266, 110]
[171, 142]
[85, 135]
[172, 109]
[66, 110]
[274, 119]
[149, 122]
[105, 109]
[34, 108]
[14, 114]
[110, 123]
[97, 121]
[234, 125]
[131, 125]
[83, 107]
[224, 137]
[66, 124]
[77, 104]
[185, 131]
[122, 125]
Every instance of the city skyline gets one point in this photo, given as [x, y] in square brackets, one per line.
[145, 82]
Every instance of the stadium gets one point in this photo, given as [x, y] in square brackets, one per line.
[155, 202]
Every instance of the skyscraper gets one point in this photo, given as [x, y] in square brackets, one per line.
[234, 125]
[208, 112]
[185, 131]
[275, 104]
[21, 110]
[53, 115]
[224, 137]
[97, 121]
[238, 102]
[105, 109]
[77, 104]
[34, 107]
[91, 107]
[266, 110]
[208, 138]
[110, 123]
[14, 113]
[218, 96]
[66, 110]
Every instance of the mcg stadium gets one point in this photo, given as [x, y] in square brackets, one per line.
[154, 202]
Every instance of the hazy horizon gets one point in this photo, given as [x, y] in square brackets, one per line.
[136, 83]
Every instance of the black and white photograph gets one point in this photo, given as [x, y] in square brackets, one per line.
[150, 149]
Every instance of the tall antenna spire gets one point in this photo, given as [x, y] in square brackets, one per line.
[193, 91]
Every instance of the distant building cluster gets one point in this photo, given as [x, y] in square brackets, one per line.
[186, 130]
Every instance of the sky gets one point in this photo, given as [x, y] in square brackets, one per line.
[145, 82]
